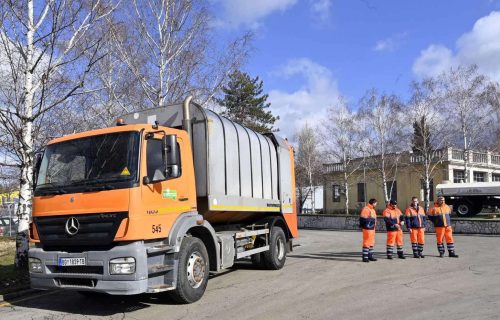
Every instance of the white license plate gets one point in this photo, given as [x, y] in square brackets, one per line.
[65, 262]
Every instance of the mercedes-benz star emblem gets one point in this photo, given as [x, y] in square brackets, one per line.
[72, 226]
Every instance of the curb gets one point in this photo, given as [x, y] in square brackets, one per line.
[21, 293]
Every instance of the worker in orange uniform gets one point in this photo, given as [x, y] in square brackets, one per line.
[416, 222]
[367, 222]
[440, 217]
[393, 218]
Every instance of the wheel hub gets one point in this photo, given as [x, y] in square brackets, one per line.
[280, 248]
[195, 269]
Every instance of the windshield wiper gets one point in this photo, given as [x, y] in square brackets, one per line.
[102, 187]
[52, 188]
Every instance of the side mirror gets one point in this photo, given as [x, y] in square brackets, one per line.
[171, 155]
[36, 168]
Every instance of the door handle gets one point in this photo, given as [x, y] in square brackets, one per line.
[183, 199]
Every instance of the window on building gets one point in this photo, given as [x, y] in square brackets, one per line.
[458, 176]
[336, 193]
[431, 187]
[361, 192]
[479, 176]
[495, 177]
[394, 194]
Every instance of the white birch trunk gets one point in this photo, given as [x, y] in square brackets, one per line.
[346, 187]
[26, 150]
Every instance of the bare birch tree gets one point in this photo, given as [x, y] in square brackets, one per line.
[308, 165]
[170, 52]
[342, 136]
[430, 133]
[46, 58]
[382, 120]
[470, 108]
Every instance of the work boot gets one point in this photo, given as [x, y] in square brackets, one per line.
[372, 258]
[365, 259]
[401, 255]
[421, 255]
[416, 255]
[441, 254]
[452, 254]
[389, 257]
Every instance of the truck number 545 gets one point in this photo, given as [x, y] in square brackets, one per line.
[156, 228]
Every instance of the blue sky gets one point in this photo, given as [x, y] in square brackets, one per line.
[309, 52]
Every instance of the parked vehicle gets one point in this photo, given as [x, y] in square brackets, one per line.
[8, 226]
[160, 200]
[468, 199]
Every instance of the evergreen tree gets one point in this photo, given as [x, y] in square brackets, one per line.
[245, 103]
[421, 140]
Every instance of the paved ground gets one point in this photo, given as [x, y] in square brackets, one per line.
[323, 279]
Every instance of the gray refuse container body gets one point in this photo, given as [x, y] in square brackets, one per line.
[237, 170]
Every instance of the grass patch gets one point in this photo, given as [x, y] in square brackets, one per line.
[11, 280]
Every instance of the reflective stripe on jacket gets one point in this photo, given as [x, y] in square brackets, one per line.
[415, 217]
[368, 218]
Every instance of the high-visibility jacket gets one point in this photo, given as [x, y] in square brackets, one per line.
[415, 217]
[392, 218]
[440, 215]
[368, 218]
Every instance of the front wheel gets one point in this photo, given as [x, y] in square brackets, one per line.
[193, 269]
[275, 257]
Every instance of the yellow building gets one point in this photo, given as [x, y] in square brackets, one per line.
[366, 181]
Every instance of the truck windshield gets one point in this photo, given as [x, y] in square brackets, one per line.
[94, 163]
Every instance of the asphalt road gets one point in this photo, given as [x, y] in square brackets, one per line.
[323, 279]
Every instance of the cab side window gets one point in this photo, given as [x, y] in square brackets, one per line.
[155, 163]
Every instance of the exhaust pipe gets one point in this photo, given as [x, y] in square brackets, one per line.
[186, 118]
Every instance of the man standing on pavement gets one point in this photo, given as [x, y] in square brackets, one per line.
[415, 222]
[367, 222]
[393, 218]
[440, 217]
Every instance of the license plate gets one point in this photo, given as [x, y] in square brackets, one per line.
[65, 262]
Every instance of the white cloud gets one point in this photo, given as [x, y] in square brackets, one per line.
[480, 46]
[321, 9]
[390, 44]
[249, 13]
[307, 104]
[433, 60]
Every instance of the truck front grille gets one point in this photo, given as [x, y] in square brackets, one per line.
[80, 230]
[74, 282]
[77, 269]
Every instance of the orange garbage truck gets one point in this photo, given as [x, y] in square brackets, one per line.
[158, 202]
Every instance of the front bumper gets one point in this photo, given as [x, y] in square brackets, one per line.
[94, 276]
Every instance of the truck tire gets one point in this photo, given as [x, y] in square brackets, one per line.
[275, 258]
[192, 275]
[464, 208]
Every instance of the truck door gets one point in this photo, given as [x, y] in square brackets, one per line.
[163, 198]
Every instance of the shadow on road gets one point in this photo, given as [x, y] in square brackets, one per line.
[336, 256]
[99, 304]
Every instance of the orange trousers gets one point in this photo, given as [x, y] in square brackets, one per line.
[417, 235]
[395, 237]
[444, 233]
[368, 238]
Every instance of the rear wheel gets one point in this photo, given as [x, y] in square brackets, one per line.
[275, 257]
[465, 209]
[192, 275]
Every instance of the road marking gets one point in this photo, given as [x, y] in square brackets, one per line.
[8, 304]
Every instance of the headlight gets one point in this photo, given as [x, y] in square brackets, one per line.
[122, 266]
[35, 265]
